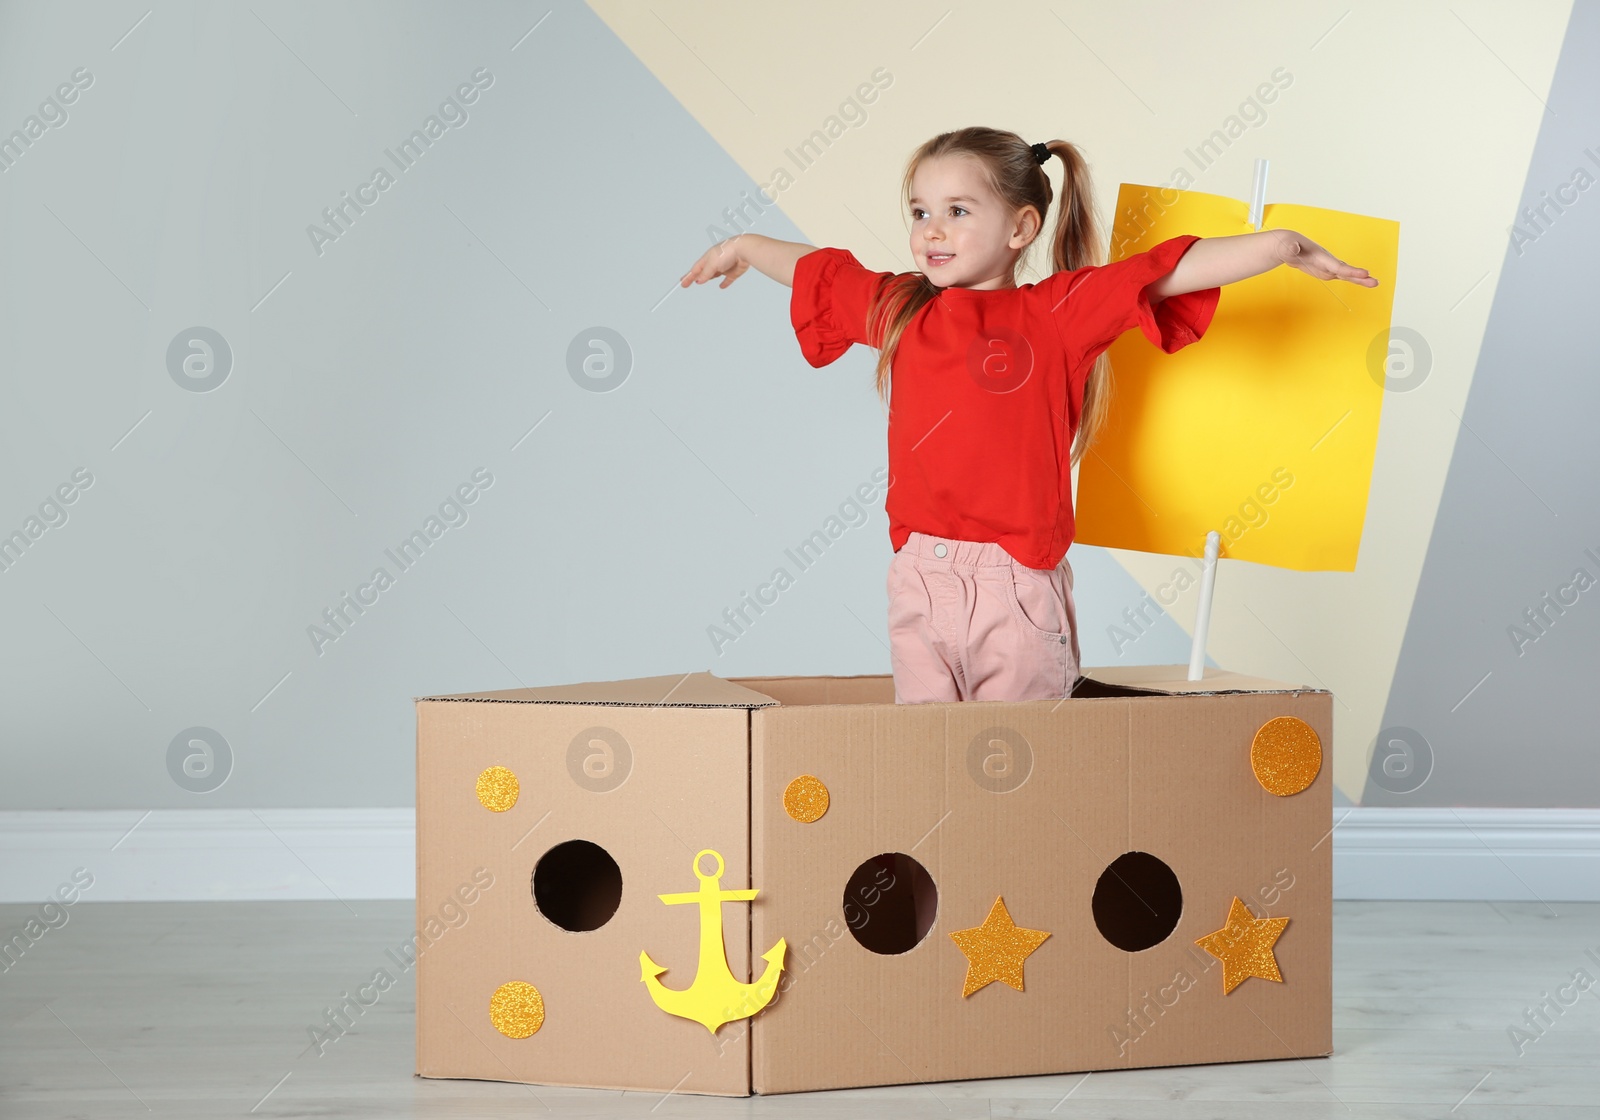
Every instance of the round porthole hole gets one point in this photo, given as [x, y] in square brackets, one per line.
[577, 885]
[1137, 901]
[889, 903]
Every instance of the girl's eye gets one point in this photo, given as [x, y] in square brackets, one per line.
[963, 209]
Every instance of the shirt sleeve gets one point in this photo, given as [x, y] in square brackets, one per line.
[1093, 306]
[828, 307]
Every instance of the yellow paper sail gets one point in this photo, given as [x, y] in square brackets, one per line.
[1263, 430]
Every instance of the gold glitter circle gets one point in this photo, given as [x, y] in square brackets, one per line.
[1286, 755]
[498, 789]
[806, 798]
[516, 1009]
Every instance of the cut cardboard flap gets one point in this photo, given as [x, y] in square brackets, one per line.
[1172, 680]
[705, 690]
[676, 690]
[875, 688]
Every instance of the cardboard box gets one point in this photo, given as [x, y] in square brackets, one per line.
[578, 806]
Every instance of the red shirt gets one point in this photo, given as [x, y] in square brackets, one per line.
[987, 387]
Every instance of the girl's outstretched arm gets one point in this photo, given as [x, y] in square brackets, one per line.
[1214, 261]
[732, 257]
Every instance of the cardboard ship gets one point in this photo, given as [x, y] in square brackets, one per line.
[774, 884]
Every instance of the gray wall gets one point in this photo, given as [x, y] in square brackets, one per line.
[371, 379]
[1495, 698]
[441, 335]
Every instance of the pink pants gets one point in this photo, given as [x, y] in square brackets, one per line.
[968, 622]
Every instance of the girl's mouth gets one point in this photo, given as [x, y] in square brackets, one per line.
[936, 259]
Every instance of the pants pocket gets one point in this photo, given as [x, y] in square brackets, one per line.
[1036, 601]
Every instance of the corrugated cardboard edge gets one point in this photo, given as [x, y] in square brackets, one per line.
[1172, 680]
[675, 690]
[702, 689]
[752, 954]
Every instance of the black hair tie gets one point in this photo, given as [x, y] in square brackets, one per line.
[1041, 152]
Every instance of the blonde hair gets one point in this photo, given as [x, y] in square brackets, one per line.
[1018, 180]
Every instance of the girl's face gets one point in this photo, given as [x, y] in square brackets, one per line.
[961, 234]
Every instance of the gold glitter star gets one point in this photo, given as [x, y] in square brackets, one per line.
[1244, 946]
[996, 949]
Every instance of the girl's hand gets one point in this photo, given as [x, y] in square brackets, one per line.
[1298, 251]
[722, 259]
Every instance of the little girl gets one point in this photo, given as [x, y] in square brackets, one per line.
[993, 383]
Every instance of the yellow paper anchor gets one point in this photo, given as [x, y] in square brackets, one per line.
[715, 997]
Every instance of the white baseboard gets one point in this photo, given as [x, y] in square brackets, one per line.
[244, 854]
[210, 854]
[1545, 855]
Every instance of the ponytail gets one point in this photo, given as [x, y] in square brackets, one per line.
[1077, 245]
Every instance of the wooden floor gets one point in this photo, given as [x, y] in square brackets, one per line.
[202, 1010]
